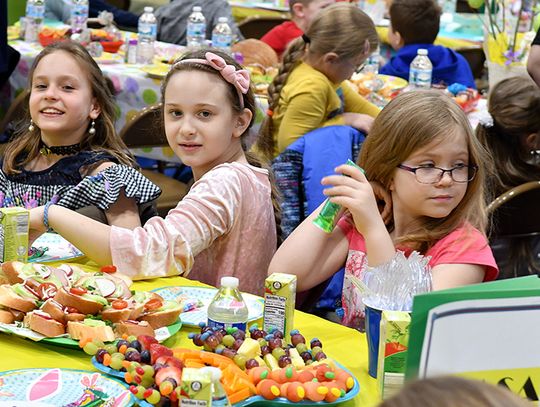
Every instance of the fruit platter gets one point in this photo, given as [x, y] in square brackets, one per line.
[66, 306]
[378, 89]
[109, 42]
[466, 98]
[49, 35]
[252, 368]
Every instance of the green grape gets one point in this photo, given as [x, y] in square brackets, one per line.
[131, 338]
[140, 392]
[262, 342]
[130, 350]
[116, 363]
[154, 397]
[166, 387]
[111, 348]
[301, 347]
[148, 371]
[90, 348]
[99, 343]
[240, 361]
[278, 352]
[117, 355]
[228, 340]
[147, 382]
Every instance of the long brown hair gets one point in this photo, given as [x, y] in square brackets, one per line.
[514, 104]
[340, 28]
[232, 94]
[409, 122]
[25, 145]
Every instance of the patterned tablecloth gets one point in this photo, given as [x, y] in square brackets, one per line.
[134, 88]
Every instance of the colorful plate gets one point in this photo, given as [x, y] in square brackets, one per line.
[156, 71]
[203, 296]
[61, 387]
[281, 401]
[57, 249]
[161, 335]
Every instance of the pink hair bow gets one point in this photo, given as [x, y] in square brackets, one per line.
[238, 78]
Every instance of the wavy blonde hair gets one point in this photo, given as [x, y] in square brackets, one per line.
[412, 121]
[340, 28]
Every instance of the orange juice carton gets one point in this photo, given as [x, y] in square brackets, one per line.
[279, 302]
[197, 384]
[14, 234]
[393, 345]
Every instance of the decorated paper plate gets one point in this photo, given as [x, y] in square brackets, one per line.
[197, 299]
[61, 387]
[281, 401]
[108, 58]
[52, 247]
[65, 341]
[158, 71]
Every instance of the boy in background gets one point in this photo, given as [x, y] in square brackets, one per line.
[414, 24]
[302, 12]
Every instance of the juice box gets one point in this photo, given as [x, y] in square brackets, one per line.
[197, 384]
[393, 345]
[279, 301]
[14, 234]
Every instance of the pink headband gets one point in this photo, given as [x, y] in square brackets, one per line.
[239, 79]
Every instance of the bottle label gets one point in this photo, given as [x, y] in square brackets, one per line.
[221, 40]
[39, 11]
[218, 324]
[196, 29]
[147, 29]
[30, 10]
[420, 77]
[80, 10]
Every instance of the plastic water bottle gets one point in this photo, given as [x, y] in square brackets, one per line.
[79, 15]
[228, 308]
[222, 35]
[372, 63]
[147, 32]
[196, 29]
[420, 70]
[35, 12]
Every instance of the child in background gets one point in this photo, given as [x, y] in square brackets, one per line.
[309, 90]
[414, 24]
[422, 151]
[225, 225]
[452, 391]
[512, 136]
[69, 151]
[302, 12]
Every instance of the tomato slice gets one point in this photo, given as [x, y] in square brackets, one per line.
[109, 269]
[78, 290]
[153, 304]
[119, 304]
[46, 290]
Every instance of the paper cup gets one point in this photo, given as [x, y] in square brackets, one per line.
[373, 322]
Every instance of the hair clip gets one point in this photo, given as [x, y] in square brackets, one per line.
[486, 120]
[238, 78]
[306, 39]
[269, 112]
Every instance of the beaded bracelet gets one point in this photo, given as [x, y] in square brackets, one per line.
[46, 215]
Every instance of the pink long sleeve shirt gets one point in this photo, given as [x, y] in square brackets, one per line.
[224, 226]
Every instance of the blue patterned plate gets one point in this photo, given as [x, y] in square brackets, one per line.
[53, 247]
[61, 387]
[197, 300]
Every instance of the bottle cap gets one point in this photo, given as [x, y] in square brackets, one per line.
[149, 9]
[231, 282]
[422, 51]
[133, 41]
[223, 20]
[197, 8]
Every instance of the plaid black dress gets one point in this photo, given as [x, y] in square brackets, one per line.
[64, 182]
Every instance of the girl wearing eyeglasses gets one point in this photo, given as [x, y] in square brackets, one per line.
[422, 159]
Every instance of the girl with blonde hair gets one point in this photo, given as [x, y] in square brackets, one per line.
[309, 90]
[422, 154]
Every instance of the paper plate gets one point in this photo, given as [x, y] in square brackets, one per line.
[61, 387]
[281, 401]
[156, 71]
[57, 249]
[161, 335]
[108, 58]
[204, 296]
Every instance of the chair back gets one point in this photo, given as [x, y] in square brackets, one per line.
[15, 113]
[121, 4]
[256, 26]
[516, 212]
[145, 129]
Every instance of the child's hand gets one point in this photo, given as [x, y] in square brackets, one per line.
[359, 121]
[356, 194]
[37, 228]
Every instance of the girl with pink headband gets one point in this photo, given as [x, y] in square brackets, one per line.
[226, 224]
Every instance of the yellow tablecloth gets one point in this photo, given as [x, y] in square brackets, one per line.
[343, 344]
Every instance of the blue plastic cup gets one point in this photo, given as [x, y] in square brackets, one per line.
[373, 328]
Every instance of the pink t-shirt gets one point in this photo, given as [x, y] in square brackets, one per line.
[464, 245]
[224, 226]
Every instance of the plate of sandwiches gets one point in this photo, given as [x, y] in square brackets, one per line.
[61, 305]
[61, 387]
[195, 302]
